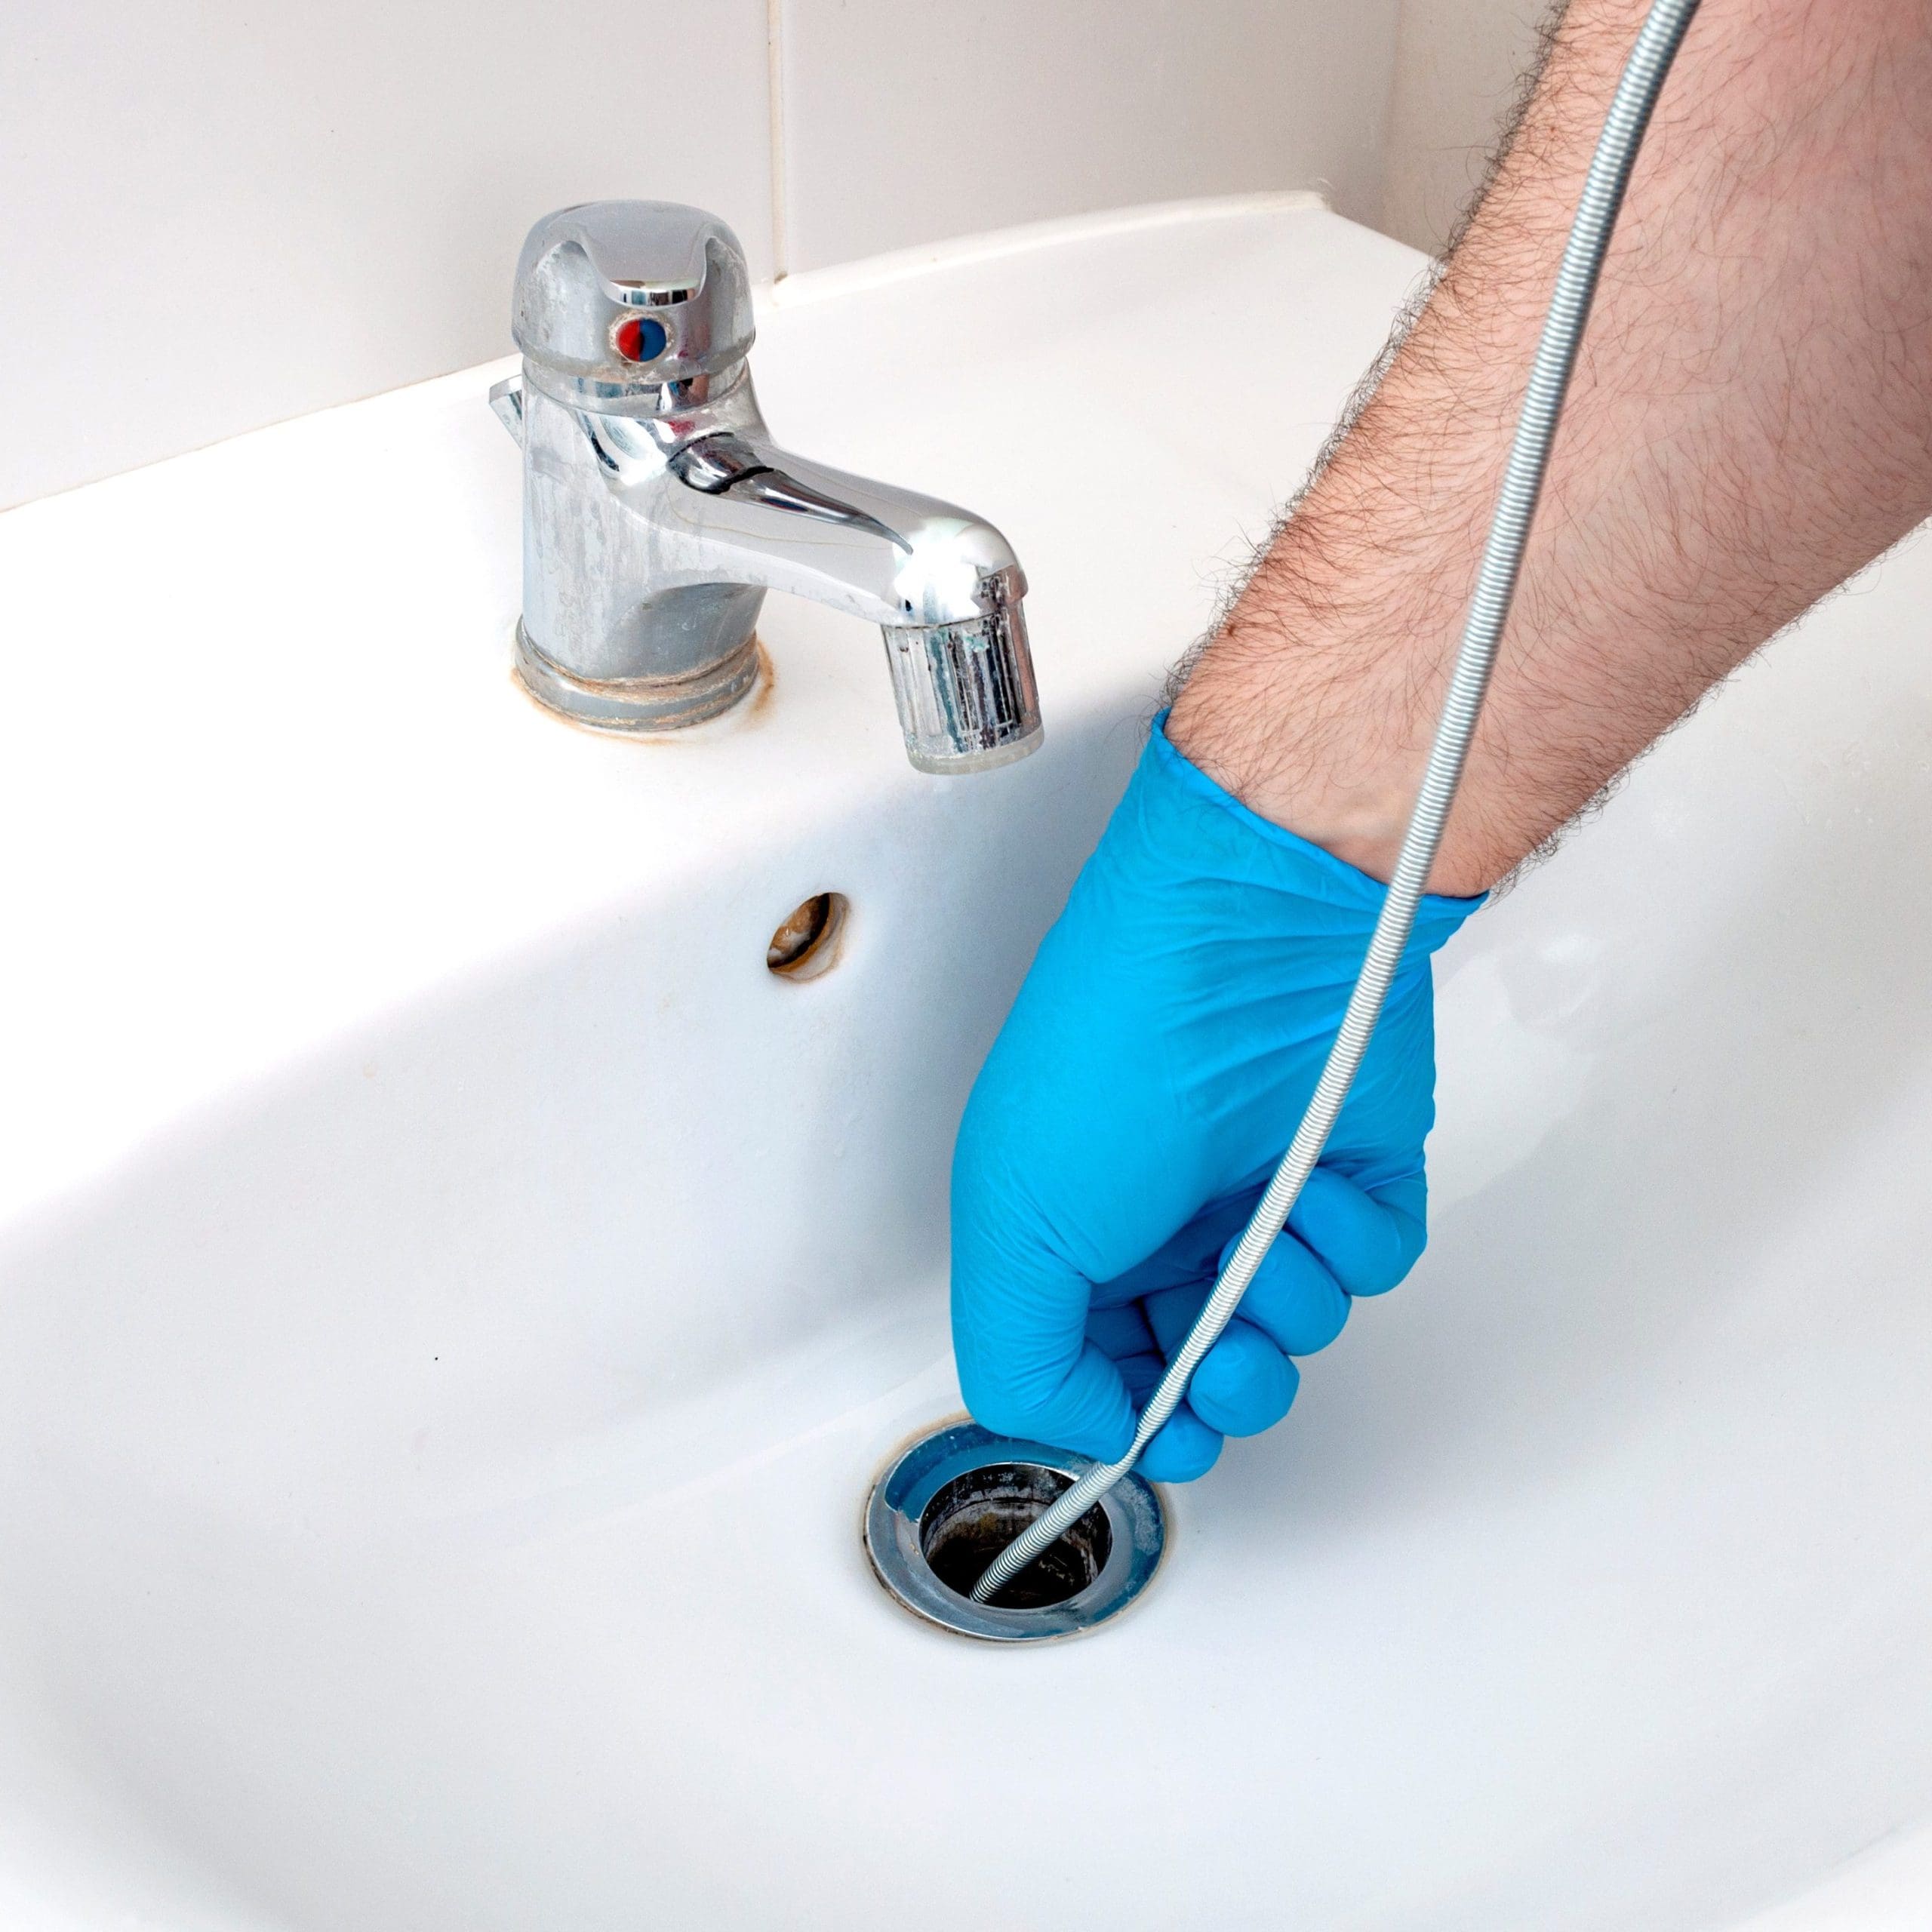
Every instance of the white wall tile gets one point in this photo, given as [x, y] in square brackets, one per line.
[216, 213]
[908, 120]
[1458, 68]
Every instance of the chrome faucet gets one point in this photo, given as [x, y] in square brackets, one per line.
[657, 511]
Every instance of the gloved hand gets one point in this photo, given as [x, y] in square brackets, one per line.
[1145, 1084]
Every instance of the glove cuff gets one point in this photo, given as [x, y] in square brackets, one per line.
[1265, 851]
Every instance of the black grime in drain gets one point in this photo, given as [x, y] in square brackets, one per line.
[975, 1516]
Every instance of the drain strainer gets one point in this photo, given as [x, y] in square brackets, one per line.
[947, 1505]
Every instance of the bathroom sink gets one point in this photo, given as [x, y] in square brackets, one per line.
[454, 1298]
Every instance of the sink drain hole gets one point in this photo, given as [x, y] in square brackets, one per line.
[973, 1518]
[950, 1501]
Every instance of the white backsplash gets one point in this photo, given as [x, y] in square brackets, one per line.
[903, 125]
[223, 218]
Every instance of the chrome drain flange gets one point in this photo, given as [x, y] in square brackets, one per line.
[947, 1506]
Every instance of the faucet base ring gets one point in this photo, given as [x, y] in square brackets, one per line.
[636, 704]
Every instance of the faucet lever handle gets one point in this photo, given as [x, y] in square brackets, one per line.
[643, 252]
[619, 298]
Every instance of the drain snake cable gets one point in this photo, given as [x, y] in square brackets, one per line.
[1643, 74]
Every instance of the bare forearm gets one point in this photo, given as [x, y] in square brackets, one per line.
[1750, 422]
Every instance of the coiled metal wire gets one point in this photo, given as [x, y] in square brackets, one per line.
[1662, 34]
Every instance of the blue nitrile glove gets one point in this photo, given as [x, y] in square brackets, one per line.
[1147, 1081]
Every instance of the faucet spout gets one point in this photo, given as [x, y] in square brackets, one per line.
[659, 511]
[889, 555]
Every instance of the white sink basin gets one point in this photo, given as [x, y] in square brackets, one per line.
[453, 1299]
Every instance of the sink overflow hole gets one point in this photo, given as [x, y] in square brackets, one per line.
[807, 941]
[970, 1520]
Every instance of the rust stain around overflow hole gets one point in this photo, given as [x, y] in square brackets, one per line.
[806, 941]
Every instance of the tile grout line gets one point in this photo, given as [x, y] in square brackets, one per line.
[774, 72]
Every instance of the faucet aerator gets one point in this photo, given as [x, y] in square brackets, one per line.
[965, 692]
